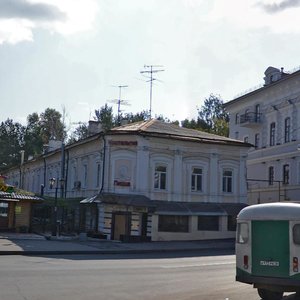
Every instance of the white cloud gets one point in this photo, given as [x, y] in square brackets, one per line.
[79, 16]
[14, 31]
[251, 14]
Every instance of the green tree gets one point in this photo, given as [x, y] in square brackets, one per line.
[81, 132]
[140, 116]
[212, 112]
[212, 117]
[11, 143]
[52, 127]
[33, 141]
[105, 116]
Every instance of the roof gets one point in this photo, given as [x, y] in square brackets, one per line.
[18, 196]
[161, 129]
[244, 96]
[167, 207]
[271, 211]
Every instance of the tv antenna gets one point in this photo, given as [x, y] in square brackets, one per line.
[150, 70]
[120, 102]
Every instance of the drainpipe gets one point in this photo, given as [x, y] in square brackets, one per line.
[22, 169]
[103, 168]
[67, 171]
[45, 170]
[62, 171]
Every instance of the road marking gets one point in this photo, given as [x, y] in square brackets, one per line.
[196, 265]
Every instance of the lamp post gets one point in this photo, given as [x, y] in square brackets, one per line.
[54, 217]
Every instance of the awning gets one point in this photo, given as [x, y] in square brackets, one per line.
[4, 196]
[167, 207]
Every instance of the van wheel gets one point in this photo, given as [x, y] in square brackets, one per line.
[269, 295]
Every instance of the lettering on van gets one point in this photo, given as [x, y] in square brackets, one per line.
[269, 263]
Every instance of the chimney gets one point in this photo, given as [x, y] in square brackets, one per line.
[22, 156]
[94, 127]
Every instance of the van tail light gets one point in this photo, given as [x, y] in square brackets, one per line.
[246, 261]
[295, 264]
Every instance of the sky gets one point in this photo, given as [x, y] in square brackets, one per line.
[71, 55]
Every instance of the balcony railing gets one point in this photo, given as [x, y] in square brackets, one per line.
[250, 118]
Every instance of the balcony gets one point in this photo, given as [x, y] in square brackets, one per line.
[250, 119]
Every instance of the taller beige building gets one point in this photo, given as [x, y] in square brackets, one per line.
[268, 117]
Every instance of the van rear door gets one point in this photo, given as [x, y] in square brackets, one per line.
[270, 248]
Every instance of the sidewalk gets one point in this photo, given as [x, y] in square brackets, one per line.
[32, 244]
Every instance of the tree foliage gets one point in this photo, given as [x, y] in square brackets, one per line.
[52, 127]
[81, 132]
[212, 117]
[39, 130]
[11, 143]
[139, 116]
[105, 116]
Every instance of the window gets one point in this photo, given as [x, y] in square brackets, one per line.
[231, 223]
[257, 113]
[296, 234]
[209, 223]
[3, 209]
[160, 177]
[272, 134]
[242, 233]
[246, 139]
[227, 181]
[196, 184]
[286, 174]
[271, 175]
[247, 116]
[237, 119]
[236, 135]
[256, 142]
[287, 130]
[173, 223]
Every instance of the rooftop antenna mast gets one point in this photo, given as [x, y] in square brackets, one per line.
[151, 69]
[120, 102]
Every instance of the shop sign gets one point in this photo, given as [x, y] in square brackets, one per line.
[6, 188]
[123, 143]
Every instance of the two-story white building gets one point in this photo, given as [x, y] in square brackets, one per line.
[268, 117]
[149, 181]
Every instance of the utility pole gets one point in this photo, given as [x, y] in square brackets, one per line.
[150, 70]
[120, 102]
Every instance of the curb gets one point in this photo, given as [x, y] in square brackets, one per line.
[121, 251]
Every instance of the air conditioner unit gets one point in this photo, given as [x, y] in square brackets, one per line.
[77, 185]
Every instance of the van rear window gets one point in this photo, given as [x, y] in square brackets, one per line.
[242, 233]
[296, 234]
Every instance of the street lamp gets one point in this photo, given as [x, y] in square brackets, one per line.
[54, 217]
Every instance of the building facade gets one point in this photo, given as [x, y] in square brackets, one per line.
[148, 181]
[269, 118]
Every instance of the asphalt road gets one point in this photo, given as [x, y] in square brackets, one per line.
[123, 277]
